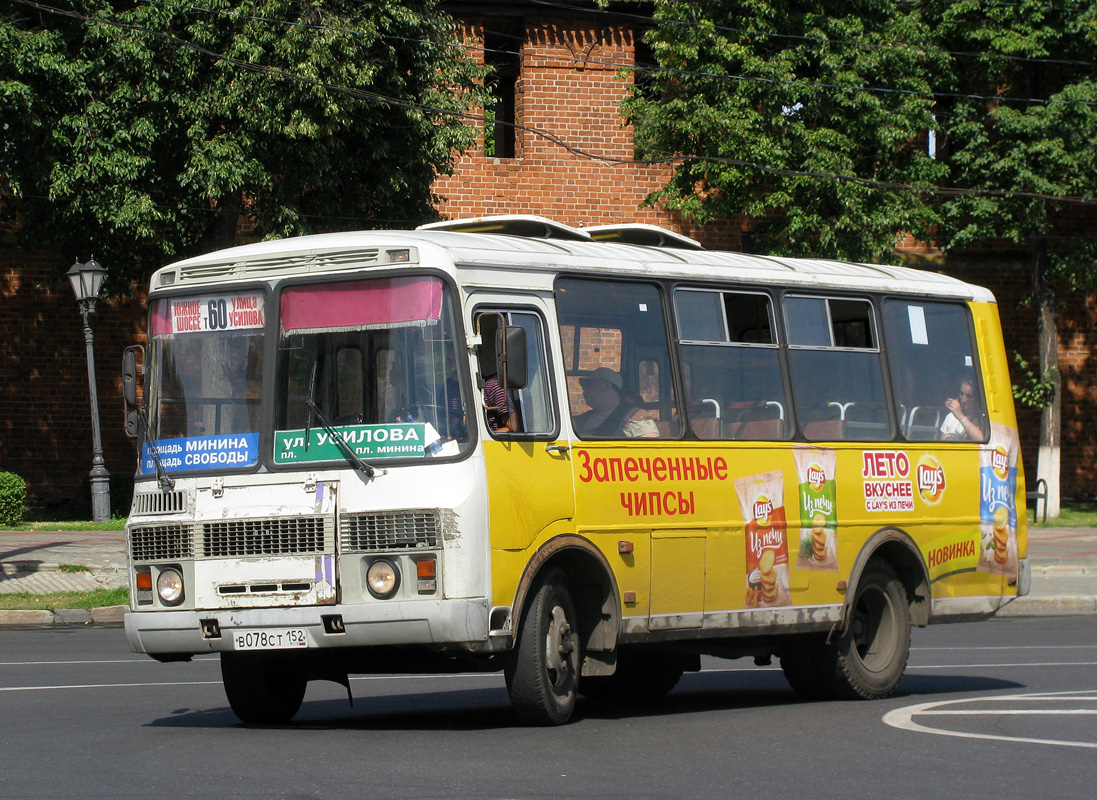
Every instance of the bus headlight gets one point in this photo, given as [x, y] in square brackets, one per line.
[382, 579]
[169, 585]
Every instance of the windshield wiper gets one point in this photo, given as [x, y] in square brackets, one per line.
[337, 437]
[162, 477]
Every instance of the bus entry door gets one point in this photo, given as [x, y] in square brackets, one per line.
[528, 466]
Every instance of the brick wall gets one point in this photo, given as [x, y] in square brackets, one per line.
[45, 412]
[568, 88]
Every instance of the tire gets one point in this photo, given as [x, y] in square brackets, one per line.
[868, 661]
[542, 673]
[263, 689]
[640, 676]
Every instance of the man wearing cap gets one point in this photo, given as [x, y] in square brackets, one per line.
[608, 416]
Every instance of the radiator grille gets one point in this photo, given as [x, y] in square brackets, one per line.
[280, 536]
[161, 542]
[159, 503]
[390, 530]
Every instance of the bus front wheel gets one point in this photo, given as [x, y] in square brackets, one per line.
[542, 672]
[263, 689]
[870, 657]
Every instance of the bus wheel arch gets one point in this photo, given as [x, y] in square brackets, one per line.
[897, 549]
[594, 591]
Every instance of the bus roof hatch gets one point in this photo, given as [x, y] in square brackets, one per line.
[527, 225]
[641, 234]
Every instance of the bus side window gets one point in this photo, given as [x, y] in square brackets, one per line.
[617, 358]
[836, 369]
[731, 364]
[928, 339]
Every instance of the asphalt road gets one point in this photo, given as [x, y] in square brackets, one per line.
[999, 709]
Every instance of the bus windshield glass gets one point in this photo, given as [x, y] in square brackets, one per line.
[374, 359]
[205, 372]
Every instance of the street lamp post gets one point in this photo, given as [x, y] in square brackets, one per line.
[86, 281]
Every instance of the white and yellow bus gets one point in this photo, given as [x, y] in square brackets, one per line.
[584, 457]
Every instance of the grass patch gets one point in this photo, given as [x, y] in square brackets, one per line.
[1072, 514]
[70, 568]
[113, 524]
[23, 601]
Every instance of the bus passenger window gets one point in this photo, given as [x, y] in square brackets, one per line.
[837, 375]
[617, 359]
[731, 365]
[930, 338]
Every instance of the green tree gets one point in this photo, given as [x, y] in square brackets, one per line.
[766, 103]
[141, 131]
[1019, 134]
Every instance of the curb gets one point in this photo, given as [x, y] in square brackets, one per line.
[105, 616]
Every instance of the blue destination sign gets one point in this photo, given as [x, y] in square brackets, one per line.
[201, 452]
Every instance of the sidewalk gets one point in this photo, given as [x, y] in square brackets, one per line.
[1064, 573]
[31, 561]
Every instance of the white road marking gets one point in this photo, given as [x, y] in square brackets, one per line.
[903, 718]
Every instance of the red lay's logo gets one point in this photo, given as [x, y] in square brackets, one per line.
[816, 477]
[763, 507]
[999, 462]
[931, 479]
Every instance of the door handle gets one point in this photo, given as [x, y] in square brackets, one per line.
[557, 448]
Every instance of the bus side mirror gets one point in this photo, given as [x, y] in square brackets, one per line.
[129, 389]
[510, 353]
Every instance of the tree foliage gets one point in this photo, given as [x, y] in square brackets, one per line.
[1030, 144]
[141, 130]
[766, 102]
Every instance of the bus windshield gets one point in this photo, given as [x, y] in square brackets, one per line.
[377, 360]
[205, 374]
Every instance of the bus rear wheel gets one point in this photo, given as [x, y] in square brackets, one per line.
[870, 657]
[263, 689]
[542, 673]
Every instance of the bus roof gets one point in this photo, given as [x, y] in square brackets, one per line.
[525, 261]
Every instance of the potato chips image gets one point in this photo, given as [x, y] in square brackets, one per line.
[762, 501]
[815, 469]
[997, 502]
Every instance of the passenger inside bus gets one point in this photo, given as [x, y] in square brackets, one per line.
[497, 405]
[610, 415]
[965, 420]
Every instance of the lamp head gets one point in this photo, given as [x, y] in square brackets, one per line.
[86, 279]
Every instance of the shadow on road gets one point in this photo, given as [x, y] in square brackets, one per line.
[489, 708]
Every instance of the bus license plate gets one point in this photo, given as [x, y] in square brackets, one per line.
[270, 639]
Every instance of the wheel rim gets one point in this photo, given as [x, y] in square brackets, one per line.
[559, 648]
[875, 629]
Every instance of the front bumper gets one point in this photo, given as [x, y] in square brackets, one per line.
[460, 624]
